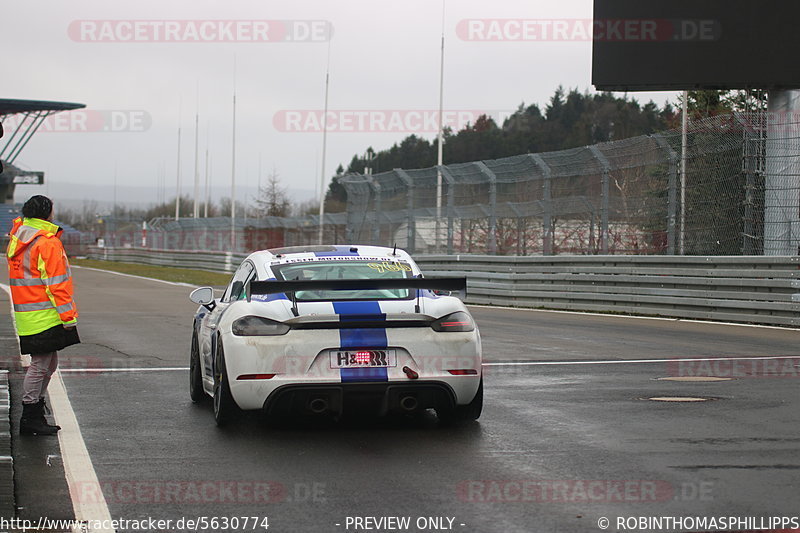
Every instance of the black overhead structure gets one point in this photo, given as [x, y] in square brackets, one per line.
[16, 136]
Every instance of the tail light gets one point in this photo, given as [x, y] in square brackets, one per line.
[464, 372]
[458, 321]
[248, 326]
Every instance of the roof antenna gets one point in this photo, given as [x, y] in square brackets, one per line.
[394, 251]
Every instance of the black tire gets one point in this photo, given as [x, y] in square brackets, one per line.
[225, 408]
[196, 392]
[464, 413]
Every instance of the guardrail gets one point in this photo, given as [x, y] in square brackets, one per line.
[750, 289]
[200, 260]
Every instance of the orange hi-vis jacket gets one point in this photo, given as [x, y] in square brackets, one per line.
[40, 277]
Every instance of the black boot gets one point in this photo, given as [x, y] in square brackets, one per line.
[45, 410]
[31, 422]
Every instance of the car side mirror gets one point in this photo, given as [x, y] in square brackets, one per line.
[204, 296]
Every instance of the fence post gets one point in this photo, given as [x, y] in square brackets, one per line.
[547, 216]
[448, 177]
[781, 169]
[604, 197]
[752, 152]
[518, 215]
[376, 228]
[672, 194]
[403, 175]
[492, 245]
[349, 231]
[748, 229]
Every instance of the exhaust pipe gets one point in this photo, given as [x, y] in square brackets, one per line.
[318, 405]
[408, 403]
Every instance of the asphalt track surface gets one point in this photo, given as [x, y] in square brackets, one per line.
[558, 447]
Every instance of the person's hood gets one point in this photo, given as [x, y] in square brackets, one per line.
[25, 230]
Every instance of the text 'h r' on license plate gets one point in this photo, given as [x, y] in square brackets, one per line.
[362, 358]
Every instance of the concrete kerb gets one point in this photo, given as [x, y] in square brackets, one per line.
[6, 459]
[7, 497]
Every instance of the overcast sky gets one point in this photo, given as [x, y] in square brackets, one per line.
[384, 58]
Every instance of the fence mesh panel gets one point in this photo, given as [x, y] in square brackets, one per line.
[620, 197]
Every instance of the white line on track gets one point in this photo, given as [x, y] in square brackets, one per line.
[506, 363]
[637, 317]
[639, 361]
[177, 283]
[143, 369]
[78, 468]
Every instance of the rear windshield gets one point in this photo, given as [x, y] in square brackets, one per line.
[327, 270]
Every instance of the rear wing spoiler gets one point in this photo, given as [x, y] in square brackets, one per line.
[276, 287]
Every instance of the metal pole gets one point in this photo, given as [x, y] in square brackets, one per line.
[437, 229]
[196, 206]
[547, 203]
[258, 191]
[492, 242]
[233, 165]
[411, 230]
[114, 210]
[604, 181]
[782, 168]
[178, 177]
[324, 146]
[684, 144]
[17, 130]
[448, 177]
[376, 229]
[672, 183]
[604, 235]
[748, 232]
[27, 136]
[205, 209]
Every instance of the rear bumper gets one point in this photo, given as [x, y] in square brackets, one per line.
[302, 359]
[381, 398]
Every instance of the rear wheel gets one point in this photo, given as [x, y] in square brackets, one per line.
[225, 408]
[196, 392]
[464, 413]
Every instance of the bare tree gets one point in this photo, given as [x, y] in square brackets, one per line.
[272, 198]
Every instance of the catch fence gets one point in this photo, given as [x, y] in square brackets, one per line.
[621, 197]
[737, 195]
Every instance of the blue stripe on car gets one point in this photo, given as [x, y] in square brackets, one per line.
[269, 297]
[362, 338]
[339, 252]
[350, 375]
[350, 310]
[350, 338]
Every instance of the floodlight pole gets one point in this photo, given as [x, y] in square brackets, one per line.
[324, 146]
[205, 208]
[114, 209]
[437, 229]
[178, 177]
[196, 206]
[684, 144]
[233, 165]
[258, 191]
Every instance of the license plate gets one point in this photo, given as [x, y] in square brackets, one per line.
[362, 358]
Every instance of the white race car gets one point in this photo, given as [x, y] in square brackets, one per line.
[319, 329]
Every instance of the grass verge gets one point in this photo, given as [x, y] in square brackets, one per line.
[199, 278]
